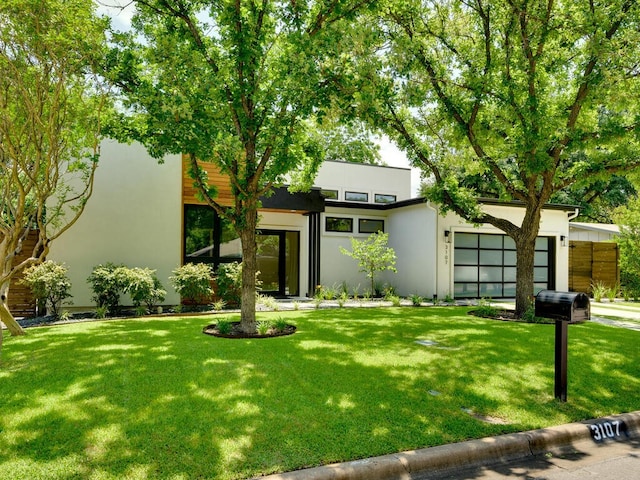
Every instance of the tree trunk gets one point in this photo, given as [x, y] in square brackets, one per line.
[5, 315]
[525, 255]
[249, 269]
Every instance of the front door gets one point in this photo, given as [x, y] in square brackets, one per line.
[278, 257]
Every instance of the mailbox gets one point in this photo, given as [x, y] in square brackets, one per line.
[573, 307]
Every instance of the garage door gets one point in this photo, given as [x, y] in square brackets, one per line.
[485, 265]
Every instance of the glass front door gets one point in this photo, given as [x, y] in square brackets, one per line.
[278, 257]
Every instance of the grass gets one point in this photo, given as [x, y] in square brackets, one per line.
[155, 398]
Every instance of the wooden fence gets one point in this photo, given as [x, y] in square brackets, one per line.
[21, 302]
[591, 262]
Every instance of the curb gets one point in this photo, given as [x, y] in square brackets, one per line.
[482, 452]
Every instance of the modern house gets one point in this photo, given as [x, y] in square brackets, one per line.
[146, 214]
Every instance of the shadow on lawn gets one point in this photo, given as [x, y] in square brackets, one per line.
[155, 398]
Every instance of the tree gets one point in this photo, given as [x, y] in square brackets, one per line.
[232, 83]
[628, 219]
[526, 96]
[373, 255]
[49, 126]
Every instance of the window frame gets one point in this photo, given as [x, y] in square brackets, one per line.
[327, 219]
[349, 192]
[376, 197]
[361, 220]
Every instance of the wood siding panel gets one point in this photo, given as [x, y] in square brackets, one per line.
[189, 191]
[591, 262]
[21, 302]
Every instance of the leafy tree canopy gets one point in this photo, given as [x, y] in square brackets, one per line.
[234, 83]
[527, 97]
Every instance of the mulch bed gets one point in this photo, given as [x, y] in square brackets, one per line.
[237, 333]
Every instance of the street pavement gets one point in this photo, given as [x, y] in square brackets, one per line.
[619, 460]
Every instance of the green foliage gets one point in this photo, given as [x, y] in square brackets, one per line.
[144, 287]
[232, 84]
[505, 101]
[224, 326]
[107, 282]
[280, 324]
[416, 300]
[342, 299]
[485, 309]
[49, 284]
[218, 305]
[192, 281]
[269, 302]
[373, 255]
[263, 327]
[628, 220]
[598, 290]
[229, 282]
[394, 299]
[52, 104]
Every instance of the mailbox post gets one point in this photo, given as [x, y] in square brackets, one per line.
[564, 308]
[562, 335]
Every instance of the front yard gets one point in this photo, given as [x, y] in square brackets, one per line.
[155, 398]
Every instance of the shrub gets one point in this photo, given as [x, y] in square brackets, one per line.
[144, 287]
[342, 298]
[224, 327]
[598, 290]
[49, 284]
[229, 281]
[279, 324]
[269, 302]
[485, 309]
[263, 327]
[416, 300]
[394, 299]
[107, 282]
[373, 255]
[192, 282]
[218, 305]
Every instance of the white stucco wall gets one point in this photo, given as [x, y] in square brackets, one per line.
[412, 234]
[370, 179]
[337, 267]
[133, 217]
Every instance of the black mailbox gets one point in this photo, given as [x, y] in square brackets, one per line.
[571, 307]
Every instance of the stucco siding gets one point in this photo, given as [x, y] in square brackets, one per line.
[412, 236]
[133, 217]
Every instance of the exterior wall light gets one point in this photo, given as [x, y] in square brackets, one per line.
[563, 240]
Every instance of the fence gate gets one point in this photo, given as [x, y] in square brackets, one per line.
[592, 262]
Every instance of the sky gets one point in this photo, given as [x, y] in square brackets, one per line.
[391, 155]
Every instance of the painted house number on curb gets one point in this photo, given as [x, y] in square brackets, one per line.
[604, 430]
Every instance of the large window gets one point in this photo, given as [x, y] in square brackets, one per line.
[208, 238]
[485, 265]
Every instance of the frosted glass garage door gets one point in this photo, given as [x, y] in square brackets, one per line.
[485, 265]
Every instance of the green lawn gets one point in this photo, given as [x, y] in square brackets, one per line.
[154, 398]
